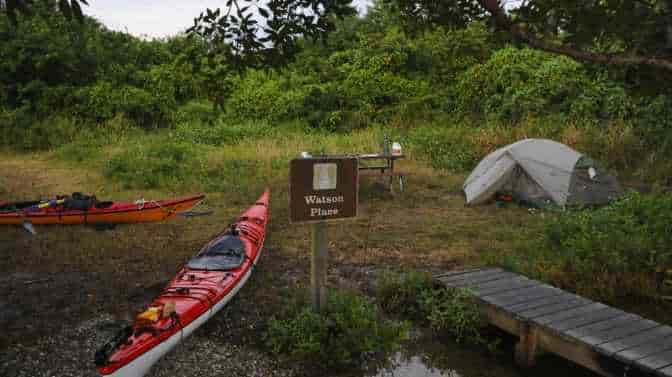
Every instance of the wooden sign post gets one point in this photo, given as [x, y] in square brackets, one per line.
[322, 189]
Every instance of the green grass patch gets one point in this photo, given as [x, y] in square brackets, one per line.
[158, 163]
[220, 132]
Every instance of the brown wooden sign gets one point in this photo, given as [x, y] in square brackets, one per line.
[323, 188]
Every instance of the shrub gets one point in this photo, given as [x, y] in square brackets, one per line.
[614, 251]
[516, 82]
[263, 95]
[453, 311]
[447, 311]
[450, 148]
[21, 131]
[631, 235]
[400, 294]
[351, 329]
[195, 111]
[146, 107]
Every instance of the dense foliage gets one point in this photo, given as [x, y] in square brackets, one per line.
[350, 330]
[612, 252]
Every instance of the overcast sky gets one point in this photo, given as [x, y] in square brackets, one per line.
[157, 18]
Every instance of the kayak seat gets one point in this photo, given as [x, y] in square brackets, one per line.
[225, 253]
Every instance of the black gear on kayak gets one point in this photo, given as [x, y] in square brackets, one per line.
[79, 201]
[102, 355]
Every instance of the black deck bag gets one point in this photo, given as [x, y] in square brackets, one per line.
[79, 201]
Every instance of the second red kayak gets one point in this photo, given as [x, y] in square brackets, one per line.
[198, 291]
[81, 209]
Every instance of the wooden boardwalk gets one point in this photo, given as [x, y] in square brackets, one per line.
[609, 341]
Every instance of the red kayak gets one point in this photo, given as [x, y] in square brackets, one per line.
[83, 209]
[198, 291]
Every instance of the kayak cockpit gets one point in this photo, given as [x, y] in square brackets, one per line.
[15, 206]
[226, 253]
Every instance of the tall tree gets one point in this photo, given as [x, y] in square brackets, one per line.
[638, 32]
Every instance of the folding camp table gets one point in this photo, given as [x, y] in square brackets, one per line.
[382, 165]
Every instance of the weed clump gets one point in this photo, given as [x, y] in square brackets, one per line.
[351, 330]
[447, 311]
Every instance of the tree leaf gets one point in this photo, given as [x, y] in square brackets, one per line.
[263, 12]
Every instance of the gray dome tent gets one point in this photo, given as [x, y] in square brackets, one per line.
[541, 172]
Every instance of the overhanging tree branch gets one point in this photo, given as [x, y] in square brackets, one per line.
[505, 22]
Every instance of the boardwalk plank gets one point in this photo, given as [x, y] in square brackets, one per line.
[646, 349]
[635, 339]
[473, 274]
[463, 272]
[495, 283]
[618, 332]
[490, 284]
[507, 287]
[479, 279]
[540, 292]
[584, 319]
[656, 361]
[536, 303]
[569, 313]
[623, 319]
[667, 372]
[567, 304]
[530, 293]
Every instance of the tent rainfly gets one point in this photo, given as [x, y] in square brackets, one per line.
[541, 172]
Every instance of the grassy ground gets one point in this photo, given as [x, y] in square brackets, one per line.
[116, 271]
[66, 275]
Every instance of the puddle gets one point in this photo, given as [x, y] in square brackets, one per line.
[413, 367]
[426, 356]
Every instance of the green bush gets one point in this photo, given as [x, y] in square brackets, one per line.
[264, 95]
[351, 329]
[447, 147]
[447, 311]
[21, 131]
[517, 82]
[453, 311]
[619, 250]
[400, 293]
[195, 111]
[146, 107]
[631, 235]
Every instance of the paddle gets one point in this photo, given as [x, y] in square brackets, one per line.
[195, 213]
